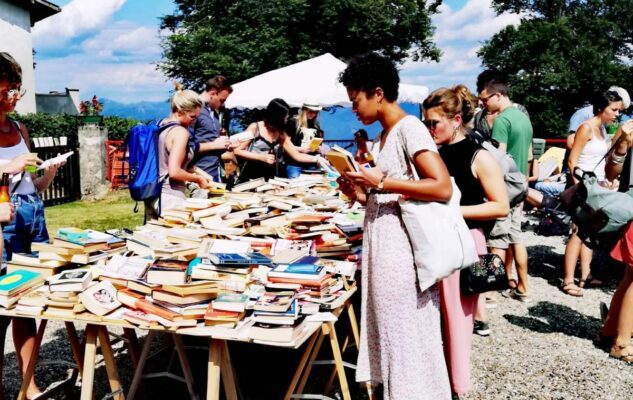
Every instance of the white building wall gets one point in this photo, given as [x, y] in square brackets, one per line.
[15, 39]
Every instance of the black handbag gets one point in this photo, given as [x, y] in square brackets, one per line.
[488, 275]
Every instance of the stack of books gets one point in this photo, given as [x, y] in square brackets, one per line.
[32, 262]
[16, 284]
[79, 246]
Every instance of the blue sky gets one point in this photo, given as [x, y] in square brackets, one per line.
[110, 47]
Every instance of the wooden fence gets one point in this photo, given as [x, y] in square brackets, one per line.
[66, 186]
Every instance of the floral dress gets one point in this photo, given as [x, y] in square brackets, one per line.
[401, 342]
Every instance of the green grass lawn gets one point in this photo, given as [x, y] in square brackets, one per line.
[115, 211]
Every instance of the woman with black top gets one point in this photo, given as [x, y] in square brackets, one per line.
[484, 198]
[263, 152]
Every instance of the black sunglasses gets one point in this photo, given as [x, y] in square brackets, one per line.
[430, 123]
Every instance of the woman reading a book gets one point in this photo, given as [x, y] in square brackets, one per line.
[401, 341]
[306, 123]
[29, 224]
[175, 152]
[263, 153]
[484, 199]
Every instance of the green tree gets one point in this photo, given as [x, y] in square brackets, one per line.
[244, 38]
[562, 52]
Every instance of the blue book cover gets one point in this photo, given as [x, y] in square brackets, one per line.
[16, 279]
[299, 268]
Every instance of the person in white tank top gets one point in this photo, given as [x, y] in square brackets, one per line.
[591, 143]
[29, 225]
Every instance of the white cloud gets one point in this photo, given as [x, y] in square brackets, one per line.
[88, 49]
[459, 34]
[127, 82]
[76, 18]
[124, 40]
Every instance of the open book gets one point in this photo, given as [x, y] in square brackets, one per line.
[342, 160]
[55, 160]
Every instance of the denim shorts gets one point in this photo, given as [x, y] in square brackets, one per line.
[27, 226]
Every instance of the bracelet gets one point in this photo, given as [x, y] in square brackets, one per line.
[618, 158]
[381, 184]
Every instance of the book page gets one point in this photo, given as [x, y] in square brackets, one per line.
[55, 160]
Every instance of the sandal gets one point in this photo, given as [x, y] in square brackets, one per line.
[571, 289]
[590, 282]
[624, 353]
[512, 283]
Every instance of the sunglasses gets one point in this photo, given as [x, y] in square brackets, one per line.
[430, 123]
[12, 93]
[485, 99]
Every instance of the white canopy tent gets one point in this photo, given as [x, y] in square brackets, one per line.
[314, 80]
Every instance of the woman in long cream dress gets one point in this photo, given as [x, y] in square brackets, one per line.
[401, 343]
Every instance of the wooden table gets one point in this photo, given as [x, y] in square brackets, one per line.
[220, 368]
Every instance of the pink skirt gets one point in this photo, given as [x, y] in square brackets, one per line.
[458, 316]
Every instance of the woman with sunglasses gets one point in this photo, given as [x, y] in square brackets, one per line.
[400, 343]
[29, 224]
[484, 199]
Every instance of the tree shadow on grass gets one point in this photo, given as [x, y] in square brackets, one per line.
[546, 317]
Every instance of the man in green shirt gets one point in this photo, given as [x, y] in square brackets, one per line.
[513, 130]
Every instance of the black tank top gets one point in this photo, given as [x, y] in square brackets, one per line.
[458, 158]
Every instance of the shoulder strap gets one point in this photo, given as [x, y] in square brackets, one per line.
[22, 134]
[13, 188]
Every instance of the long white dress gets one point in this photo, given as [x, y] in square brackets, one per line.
[400, 341]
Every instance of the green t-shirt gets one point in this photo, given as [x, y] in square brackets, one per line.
[514, 128]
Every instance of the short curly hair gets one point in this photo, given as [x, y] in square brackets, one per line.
[10, 70]
[370, 71]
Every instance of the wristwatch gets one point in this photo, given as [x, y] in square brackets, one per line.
[381, 184]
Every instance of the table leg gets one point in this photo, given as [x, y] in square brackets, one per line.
[228, 374]
[302, 363]
[308, 368]
[90, 355]
[75, 345]
[138, 373]
[110, 363]
[4, 324]
[354, 323]
[184, 363]
[132, 344]
[30, 369]
[338, 360]
[213, 369]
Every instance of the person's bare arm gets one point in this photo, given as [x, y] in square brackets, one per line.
[487, 171]
[624, 140]
[295, 153]
[434, 183]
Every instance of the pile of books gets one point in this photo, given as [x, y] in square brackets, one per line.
[258, 258]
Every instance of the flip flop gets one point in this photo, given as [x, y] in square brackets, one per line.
[571, 289]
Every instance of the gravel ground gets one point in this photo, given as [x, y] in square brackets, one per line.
[537, 350]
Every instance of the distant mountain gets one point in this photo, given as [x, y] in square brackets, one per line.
[144, 110]
[339, 123]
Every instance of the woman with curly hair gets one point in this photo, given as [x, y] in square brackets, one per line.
[401, 342]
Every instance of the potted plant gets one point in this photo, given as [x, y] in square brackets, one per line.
[89, 111]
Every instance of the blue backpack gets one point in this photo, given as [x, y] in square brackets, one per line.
[142, 144]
